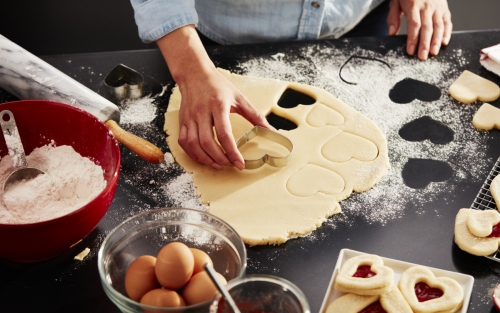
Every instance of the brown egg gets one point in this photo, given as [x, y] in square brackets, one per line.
[200, 259]
[174, 265]
[140, 277]
[200, 288]
[162, 298]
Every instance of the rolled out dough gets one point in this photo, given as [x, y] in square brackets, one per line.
[268, 205]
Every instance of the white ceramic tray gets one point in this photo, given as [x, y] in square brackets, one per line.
[466, 281]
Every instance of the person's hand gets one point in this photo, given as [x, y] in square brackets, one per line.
[207, 100]
[429, 24]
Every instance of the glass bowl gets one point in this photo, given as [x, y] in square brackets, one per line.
[262, 293]
[148, 232]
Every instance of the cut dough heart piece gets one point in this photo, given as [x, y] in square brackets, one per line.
[375, 285]
[487, 117]
[453, 294]
[257, 202]
[345, 146]
[391, 302]
[480, 223]
[470, 87]
[495, 190]
[322, 115]
[466, 241]
[313, 179]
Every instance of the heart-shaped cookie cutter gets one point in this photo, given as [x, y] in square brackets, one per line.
[122, 82]
[266, 158]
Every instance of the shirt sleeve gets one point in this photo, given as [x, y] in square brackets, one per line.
[156, 18]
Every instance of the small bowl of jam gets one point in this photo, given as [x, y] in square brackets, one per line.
[262, 294]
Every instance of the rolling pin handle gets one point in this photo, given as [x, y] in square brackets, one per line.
[139, 146]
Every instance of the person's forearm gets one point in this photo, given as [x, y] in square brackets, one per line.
[184, 54]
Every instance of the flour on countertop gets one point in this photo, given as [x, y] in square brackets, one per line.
[319, 66]
[135, 111]
[387, 200]
[71, 181]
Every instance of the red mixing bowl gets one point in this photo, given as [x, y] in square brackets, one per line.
[39, 122]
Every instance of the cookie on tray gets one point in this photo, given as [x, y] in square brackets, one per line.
[391, 302]
[426, 293]
[365, 275]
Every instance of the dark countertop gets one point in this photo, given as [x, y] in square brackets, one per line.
[421, 234]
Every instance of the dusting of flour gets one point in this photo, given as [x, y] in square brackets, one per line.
[71, 181]
[319, 65]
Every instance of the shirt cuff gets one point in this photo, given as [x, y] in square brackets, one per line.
[156, 18]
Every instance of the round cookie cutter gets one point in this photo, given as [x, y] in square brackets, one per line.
[266, 158]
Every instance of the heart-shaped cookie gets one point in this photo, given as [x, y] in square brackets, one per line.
[480, 222]
[375, 285]
[391, 302]
[470, 243]
[345, 146]
[322, 115]
[487, 117]
[450, 301]
[495, 190]
[313, 179]
[470, 87]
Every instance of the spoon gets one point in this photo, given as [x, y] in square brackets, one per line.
[16, 151]
[220, 286]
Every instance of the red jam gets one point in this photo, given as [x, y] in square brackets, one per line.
[375, 307]
[496, 231]
[426, 293]
[364, 271]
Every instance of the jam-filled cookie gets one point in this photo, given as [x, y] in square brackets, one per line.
[426, 293]
[471, 243]
[391, 302]
[365, 275]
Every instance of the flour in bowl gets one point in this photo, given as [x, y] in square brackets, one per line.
[71, 181]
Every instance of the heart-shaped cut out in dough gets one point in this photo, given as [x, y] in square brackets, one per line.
[470, 243]
[450, 301]
[376, 285]
[487, 117]
[391, 302]
[322, 115]
[495, 190]
[470, 87]
[313, 179]
[480, 222]
[346, 146]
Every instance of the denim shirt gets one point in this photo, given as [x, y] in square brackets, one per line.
[251, 21]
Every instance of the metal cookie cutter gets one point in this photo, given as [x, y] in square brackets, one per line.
[123, 83]
[266, 158]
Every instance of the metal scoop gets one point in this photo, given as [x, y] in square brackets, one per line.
[16, 151]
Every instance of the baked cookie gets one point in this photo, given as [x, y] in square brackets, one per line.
[469, 242]
[365, 275]
[426, 293]
[481, 222]
[391, 302]
[487, 117]
[495, 190]
[470, 87]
